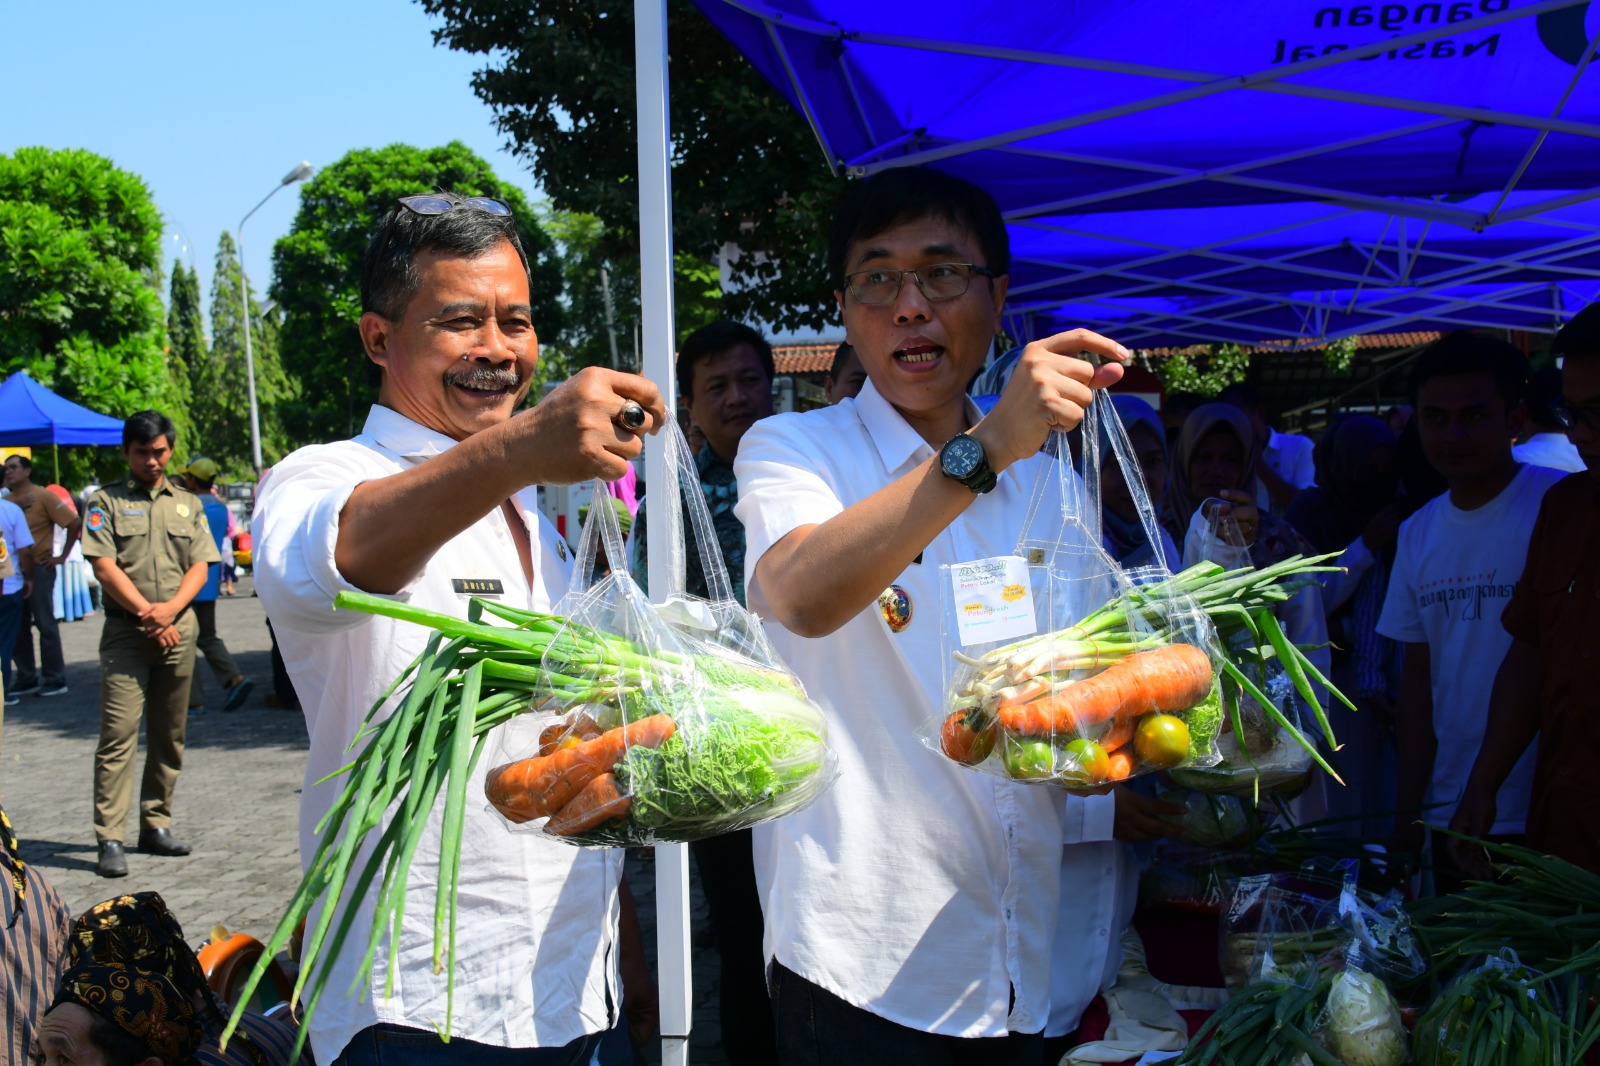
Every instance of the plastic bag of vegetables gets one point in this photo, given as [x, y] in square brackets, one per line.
[1062, 668]
[674, 721]
[1498, 1011]
[1360, 1022]
[1276, 927]
[1258, 756]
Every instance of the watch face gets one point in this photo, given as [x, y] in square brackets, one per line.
[962, 455]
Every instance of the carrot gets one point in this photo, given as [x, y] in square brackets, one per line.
[1119, 766]
[539, 786]
[1170, 678]
[600, 801]
[1121, 731]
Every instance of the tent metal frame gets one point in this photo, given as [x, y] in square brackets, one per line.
[1218, 309]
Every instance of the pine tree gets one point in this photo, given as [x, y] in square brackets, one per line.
[221, 399]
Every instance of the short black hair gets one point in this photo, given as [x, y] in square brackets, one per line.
[1580, 337]
[1469, 352]
[715, 339]
[1241, 395]
[22, 461]
[841, 356]
[145, 426]
[389, 276]
[894, 197]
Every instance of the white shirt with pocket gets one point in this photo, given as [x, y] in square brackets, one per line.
[1099, 890]
[1453, 575]
[916, 889]
[536, 919]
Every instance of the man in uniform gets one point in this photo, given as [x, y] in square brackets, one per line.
[45, 511]
[149, 544]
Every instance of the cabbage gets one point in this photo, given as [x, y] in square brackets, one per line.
[1363, 1023]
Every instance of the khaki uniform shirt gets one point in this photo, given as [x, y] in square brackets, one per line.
[154, 536]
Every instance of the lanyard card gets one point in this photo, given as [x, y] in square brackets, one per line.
[993, 600]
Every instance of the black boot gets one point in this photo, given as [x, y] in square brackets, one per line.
[113, 863]
[161, 842]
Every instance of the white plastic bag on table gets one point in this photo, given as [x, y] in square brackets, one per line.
[689, 724]
[1022, 632]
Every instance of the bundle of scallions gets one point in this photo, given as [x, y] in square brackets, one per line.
[1240, 607]
[746, 747]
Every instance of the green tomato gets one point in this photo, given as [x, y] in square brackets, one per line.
[1028, 760]
[1084, 763]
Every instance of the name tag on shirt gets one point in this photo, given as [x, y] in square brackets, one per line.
[993, 600]
[478, 586]
[135, 512]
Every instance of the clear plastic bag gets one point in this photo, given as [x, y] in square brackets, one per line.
[688, 724]
[1278, 927]
[1261, 757]
[1061, 667]
[1360, 1021]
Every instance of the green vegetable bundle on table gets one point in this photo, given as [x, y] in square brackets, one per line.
[654, 737]
[1144, 683]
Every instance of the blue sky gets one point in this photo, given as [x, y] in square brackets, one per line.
[213, 103]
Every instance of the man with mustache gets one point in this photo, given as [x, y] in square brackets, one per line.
[432, 503]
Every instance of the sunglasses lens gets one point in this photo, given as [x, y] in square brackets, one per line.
[483, 203]
[427, 205]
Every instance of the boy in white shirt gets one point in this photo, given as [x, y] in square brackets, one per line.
[1458, 560]
[909, 911]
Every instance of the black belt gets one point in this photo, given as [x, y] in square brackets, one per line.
[113, 611]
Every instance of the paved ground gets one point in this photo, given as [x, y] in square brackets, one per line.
[236, 804]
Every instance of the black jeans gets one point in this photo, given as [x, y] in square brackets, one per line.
[817, 1028]
[386, 1044]
[39, 613]
[728, 877]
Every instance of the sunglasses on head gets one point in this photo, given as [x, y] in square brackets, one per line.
[429, 204]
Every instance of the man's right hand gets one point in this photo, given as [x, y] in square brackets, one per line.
[1474, 816]
[1050, 388]
[575, 433]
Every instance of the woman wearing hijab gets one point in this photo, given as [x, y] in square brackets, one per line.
[1353, 508]
[1120, 528]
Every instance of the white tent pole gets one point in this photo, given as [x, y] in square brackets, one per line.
[655, 303]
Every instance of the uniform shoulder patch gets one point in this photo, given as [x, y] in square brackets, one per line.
[95, 520]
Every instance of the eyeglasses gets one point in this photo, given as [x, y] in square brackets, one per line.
[1573, 417]
[941, 281]
[429, 204]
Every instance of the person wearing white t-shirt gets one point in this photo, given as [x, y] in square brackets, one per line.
[1458, 560]
[1547, 443]
[434, 495]
[910, 910]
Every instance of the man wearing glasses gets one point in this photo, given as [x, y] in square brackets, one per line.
[1545, 687]
[909, 910]
[434, 496]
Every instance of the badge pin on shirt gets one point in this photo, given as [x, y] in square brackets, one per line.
[895, 603]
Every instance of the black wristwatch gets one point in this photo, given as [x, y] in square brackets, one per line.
[962, 459]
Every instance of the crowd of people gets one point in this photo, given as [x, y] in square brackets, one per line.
[915, 911]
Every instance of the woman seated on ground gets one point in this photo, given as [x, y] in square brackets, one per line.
[138, 931]
[113, 1015]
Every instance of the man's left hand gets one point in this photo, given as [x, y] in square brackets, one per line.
[1139, 817]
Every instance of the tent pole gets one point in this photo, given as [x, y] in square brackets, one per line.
[55, 463]
[655, 304]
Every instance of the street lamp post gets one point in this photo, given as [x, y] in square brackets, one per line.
[299, 173]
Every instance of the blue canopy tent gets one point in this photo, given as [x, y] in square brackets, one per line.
[31, 414]
[1231, 172]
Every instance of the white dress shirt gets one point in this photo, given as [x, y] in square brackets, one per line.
[536, 920]
[1290, 456]
[915, 889]
[1099, 890]
[1554, 450]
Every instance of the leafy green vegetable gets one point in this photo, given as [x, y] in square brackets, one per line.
[1205, 723]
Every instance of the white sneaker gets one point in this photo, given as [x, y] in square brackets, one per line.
[59, 690]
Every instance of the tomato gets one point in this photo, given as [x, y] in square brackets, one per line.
[1084, 763]
[965, 744]
[1162, 741]
[1028, 760]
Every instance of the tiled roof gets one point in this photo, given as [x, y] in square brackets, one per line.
[1364, 342]
[804, 358]
[817, 358]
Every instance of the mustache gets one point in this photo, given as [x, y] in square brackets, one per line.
[484, 377]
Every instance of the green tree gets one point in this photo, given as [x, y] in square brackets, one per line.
[186, 319]
[1204, 369]
[747, 170]
[221, 389]
[317, 269]
[80, 291]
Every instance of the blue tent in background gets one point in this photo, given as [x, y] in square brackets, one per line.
[31, 414]
[1299, 169]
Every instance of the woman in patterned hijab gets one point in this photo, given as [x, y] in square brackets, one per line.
[130, 1017]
